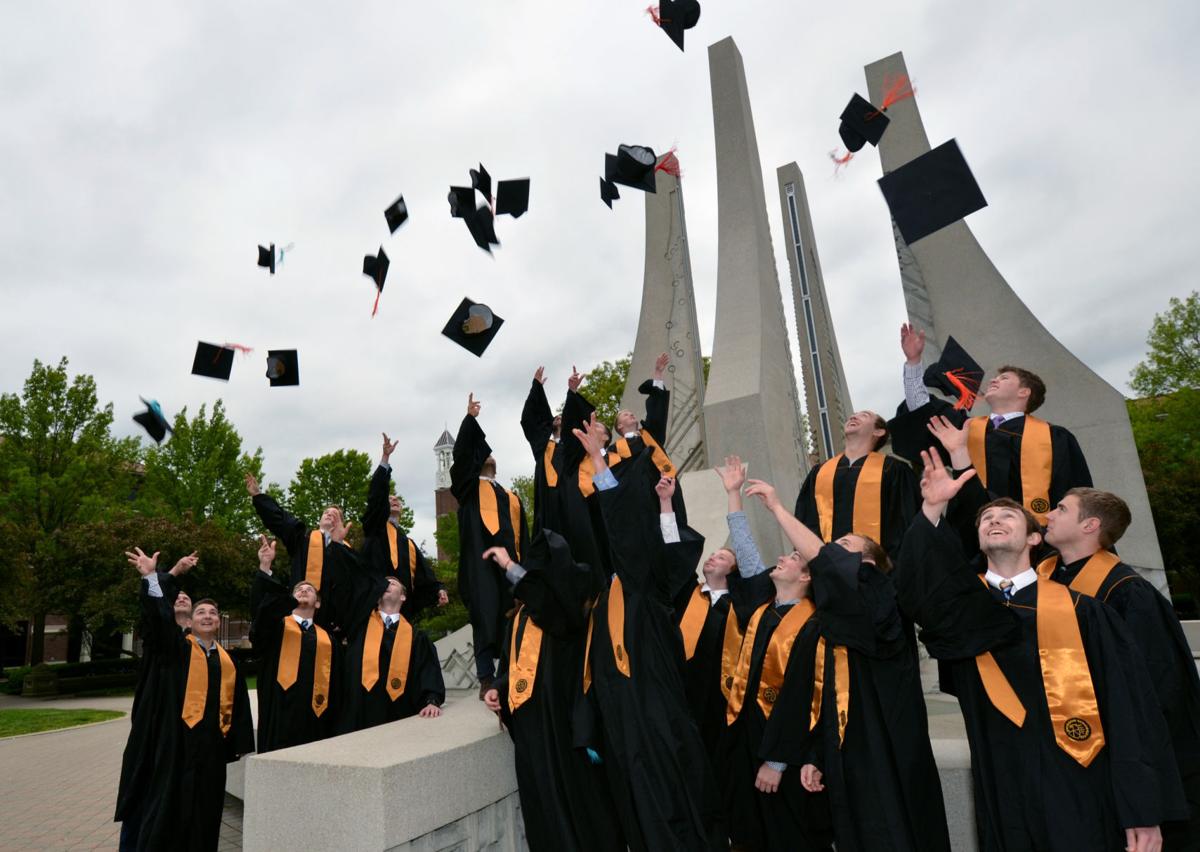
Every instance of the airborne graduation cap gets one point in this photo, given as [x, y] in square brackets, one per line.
[512, 197]
[375, 267]
[473, 326]
[283, 367]
[213, 361]
[152, 420]
[675, 16]
[862, 122]
[635, 166]
[266, 257]
[932, 191]
[396, 213]
[956, 375]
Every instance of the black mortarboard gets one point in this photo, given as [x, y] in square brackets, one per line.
[956, 375]
[283, 367]
[482, 226]
[375, 267]
[266, 257]
[152, 420]
[932, 191]
[512, 197]
[462, 201]
[675, 16]
[632, 166]
[212, 361]
[861, 123]
[482, 181]
[608, 191]
[396, 213]
[472, 326]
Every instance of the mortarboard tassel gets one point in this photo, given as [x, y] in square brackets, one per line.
[245, 350]
[966, 386]
[669, 164]
[838, 162]
[652, 11]
[378, 293]
[899, 88]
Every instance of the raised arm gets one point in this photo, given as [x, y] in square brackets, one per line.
[275, 518]
[471, 450]
[658, 401]
[912, 342]
[749, 560]
[537, 420]
[375, 518]
[576, 409]
[157, 596]
[270, 600]
[807, 543]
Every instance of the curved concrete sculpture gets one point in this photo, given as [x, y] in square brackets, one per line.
[952, 287]
[667, 323]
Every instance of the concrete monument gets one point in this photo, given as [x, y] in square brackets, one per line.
[952, 287]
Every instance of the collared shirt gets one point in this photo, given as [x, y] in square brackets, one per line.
[669, 527]
[714, 595]
[301, 620]
[1000, 419]
[514, 573]
[209, 648]
[389, 619]
[605, 480]
[749, 562]
[491, 479]
[629, 436]
[1026, 578]
[915, 392]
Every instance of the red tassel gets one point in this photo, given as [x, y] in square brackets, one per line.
[839, 162]
[967, 389]
[378, 293]
[669, 164]
[652, 11]
[245, 350]
[898, 89]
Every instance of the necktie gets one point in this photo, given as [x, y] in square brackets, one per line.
[997, 421]
[1006, 586]
[305, 624]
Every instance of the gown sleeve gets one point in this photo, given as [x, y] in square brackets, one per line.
[658, 408]
[806, 504]
[429, 671]
[426, 585]
[282, 524]
[576, 410]
[376, 515]
[270, 603]
[537, 421]
[471, 450]
[856, 603]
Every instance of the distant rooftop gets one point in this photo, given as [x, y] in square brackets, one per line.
[447, 440]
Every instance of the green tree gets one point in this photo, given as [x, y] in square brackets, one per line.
[1173, 361]
[342, 479]
[522, 486]
[199, 472]
[60, 467]
[605, 384]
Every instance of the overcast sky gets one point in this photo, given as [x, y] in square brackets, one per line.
[145, 149]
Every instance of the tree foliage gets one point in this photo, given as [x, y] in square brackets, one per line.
[522, 486]
[603, 386]
[1173, 361]
[341, 479]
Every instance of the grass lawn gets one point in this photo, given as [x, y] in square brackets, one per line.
[13, 722]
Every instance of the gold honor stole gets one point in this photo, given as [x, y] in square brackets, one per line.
[841, 687]
[659, 456]
[693, 621]
[195, 694]
[523, 662]
[1037, 458]
[1091, 577]
[868, 498]
[1066, 678]
[731, 649]
[489, 512]
[289, 662]
[548, 463]
[587, 470]
[394, 552]
[397, 665]
[316, 559]
[774, 661]
[616, 625]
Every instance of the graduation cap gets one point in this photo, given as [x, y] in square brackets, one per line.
[636, 166]
[956, 375]
[482, 181]
[396, 213]
[512, 197]
[266, 257]
[608, 192]
[675, 16]
[213, 361]
[473, 326]
[932, 191]
[861, 123]
[152, 420]
[462, 201]
[283, 367]
[482, 225]
[375, 267]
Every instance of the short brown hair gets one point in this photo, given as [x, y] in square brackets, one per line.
[731, 552]
[1031, 523]
[316, 591]
[204, 601]
[1110, 510]
[1027, 379]
[880, 423]
[873, 552]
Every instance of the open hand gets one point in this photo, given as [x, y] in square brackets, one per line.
[912, 342]
[185, 564]
[575, 379]
[389, 447]
[588, 437]
[951, 437]
[340, 531]
[938, 485]
[266, 553]
[733, 474]
[252, 485]
[539, 375]
[146, 565]
[764, 491]
[660, 365]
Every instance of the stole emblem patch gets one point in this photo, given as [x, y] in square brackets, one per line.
[1077, 729]
[729, 681]
[320, 700]
[1041, 506]
[522, 685]
[395, 683]
[620, 653]
[770, 694]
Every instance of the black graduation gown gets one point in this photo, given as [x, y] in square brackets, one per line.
[1155, 629]
[658, 408]
[481, 586]
[1068, 468]
[899, 493]
[421, 583]
[659, 772]
[883, 784]
[360, 709]
[184, 793]
[537, 422]
[286, 718]
[565, 801]
[702, 673]
[338, 557]
[580, 516]
[1029, 794]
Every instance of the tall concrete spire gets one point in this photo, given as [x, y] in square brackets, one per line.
[667, 323]
[952, 287]
[825, 388]
[751, 406]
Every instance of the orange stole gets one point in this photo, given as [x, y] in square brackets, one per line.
[314, 567]
[868, 497]
[658, 454]
[394, 551]
[398, 664]
[587, 470]
[693, 621]
[489, 512]
[548, 464]
[731, 649]
[774, 661]
[841, 687]
[1037, 458]
[1091, 577]
[523, 662]
[288, 668]
[616, 625]
[195, 694]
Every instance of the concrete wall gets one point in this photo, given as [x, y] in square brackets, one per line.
[952, 287]
[667, 323]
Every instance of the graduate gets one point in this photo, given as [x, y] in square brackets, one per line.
[201, 721]
[860, 490]
[298, 660]
[543, 432]
[564, 797]
[489, 515]
[658, 769]
[872, 749]
[319, 557]
[1015, 454]
[138, 759]
[1084, 528]
[769, 695]
[580, 515]
[1069, 749]
[388, 551]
